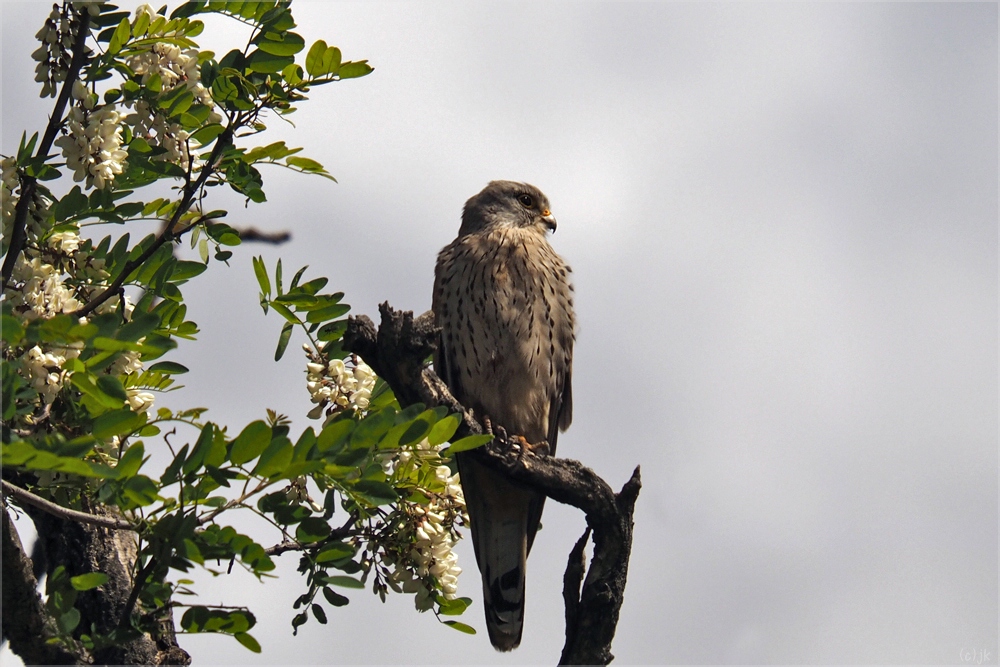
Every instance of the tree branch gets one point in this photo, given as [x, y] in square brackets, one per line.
[397, 351]
[38, 502]
[221, 143]
[30, 183]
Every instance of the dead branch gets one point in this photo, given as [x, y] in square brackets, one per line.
[398, 351]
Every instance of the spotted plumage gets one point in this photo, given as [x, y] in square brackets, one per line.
[504, 303]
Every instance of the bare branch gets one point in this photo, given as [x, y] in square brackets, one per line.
[252, 234]
[50, 507]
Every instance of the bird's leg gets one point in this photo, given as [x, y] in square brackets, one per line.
[541, 448]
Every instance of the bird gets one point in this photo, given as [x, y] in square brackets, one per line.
[504, 303]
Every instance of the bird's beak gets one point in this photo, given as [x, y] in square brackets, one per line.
[549, 220]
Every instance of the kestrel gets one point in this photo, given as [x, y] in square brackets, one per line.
[504, 303]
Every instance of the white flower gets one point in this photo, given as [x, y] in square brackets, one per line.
[434, 535]
[53, 56]
[65, 242]
[93, 147]
[44, 372]
[127, 363]
[139, 401]
[336, 384]
[42, 293]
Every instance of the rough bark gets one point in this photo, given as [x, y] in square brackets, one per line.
[398, 351]
[83, 547]
[26, 625]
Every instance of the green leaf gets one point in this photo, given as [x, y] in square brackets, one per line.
[332, 331]
[117, 422]
[185, 270]
[354, 70]
[334, 551]
[207, 134]
[248, 641]
[314, 59]
[250, 443]
[200, 450]
[283, 338]
[86, 582]
[73, 202]
[334, 598]
[344, 582]
[461, 627]
[443, 430]
[287, 44]
[415, 432]
[283, 310]
[168, 368]
[304, 163]
[262, 278]
[68, 621]
[468, 442]
[455, 607]
[121, 36]
[130, 462]
[328, 313]
[377, 493]
[275, 458]
[12, 331]
[268, 63]
[319, 613]
[112, 386]
[141, 490]
[312, 529]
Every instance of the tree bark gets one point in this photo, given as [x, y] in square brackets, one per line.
[82, 548]
[398, 352]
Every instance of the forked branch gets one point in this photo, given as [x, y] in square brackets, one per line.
[398, 351]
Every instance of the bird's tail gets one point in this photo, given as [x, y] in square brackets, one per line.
[499, 512]
[503, 583]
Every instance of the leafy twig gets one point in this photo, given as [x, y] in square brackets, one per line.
[166, 234]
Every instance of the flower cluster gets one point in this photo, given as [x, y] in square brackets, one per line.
[338, 384]
[172, 67]
[53, 55]
[52, 277]
[42, 292]
[93, 147]
[44, 371]
[297, 493]
[425, 559]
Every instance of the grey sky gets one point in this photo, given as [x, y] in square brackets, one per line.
[782, 221]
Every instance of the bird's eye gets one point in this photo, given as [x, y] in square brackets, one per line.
[526, 200]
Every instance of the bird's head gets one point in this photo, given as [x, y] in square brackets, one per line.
[504, 204]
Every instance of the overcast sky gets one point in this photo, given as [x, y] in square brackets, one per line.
[782, 221]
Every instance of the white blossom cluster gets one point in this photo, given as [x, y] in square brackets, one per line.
[92, 146]
[430, 554]
[42, 293]
[44, 370]
[53, 55]
[40, 289]
[38, 209]
[174, 67]
[297, 493]
[338, 383]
